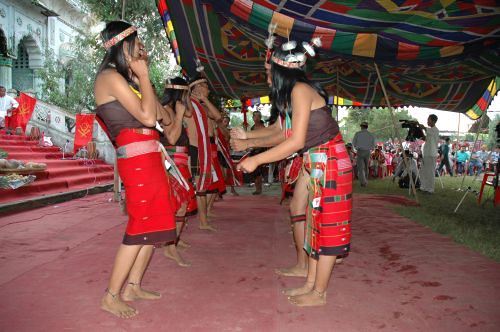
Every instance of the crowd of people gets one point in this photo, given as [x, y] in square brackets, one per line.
[171, 152]
[435, 157]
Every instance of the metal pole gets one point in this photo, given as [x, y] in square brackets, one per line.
[396, 131]
[124, 4]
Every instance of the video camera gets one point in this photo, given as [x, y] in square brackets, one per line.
[414, 131]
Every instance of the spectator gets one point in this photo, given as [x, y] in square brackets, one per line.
[363, 142]
[462, 157]
[7, 105]
[475, 163]
[445, 157]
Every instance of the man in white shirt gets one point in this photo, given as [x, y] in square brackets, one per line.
[363, 142]
[7, 104]
[429, 153]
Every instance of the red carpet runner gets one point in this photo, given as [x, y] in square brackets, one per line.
[56, 261]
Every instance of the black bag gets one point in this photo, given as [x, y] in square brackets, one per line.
[404, 182]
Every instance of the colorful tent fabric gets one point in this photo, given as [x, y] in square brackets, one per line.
[435, 54]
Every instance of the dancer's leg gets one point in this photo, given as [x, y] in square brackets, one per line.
[317, 295]
[298, 206]
[133, 289]
[309, 284]
[111, 302]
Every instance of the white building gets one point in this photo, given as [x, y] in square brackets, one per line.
[28, 28]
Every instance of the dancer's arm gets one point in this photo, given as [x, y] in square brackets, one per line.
[212, 111]
[302, 99]
[173, 129]
[240, 133]
[259, 142]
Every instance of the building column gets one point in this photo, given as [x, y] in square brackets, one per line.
[6, 72]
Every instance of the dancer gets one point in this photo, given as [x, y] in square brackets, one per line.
[232, 178]
[127, 105]
[176, 105]
[200, 152]
[316, 134]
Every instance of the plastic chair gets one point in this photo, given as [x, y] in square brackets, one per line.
[489, 182]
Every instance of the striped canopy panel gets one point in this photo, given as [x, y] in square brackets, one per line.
[437, 54]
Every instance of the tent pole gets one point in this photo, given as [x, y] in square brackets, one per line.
[396, 131]
[474, 146]
[337, 92]
[124, 4]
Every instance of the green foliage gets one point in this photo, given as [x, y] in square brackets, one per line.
[379, 119]
[492, 135]
[70, 85]
[3, 154]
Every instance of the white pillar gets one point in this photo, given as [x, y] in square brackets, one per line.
[6, 72]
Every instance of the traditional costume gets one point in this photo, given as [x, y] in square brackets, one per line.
[328, 231]
[201, 156]
[140, 165]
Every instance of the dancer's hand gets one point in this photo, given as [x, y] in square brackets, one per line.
[238, 144]
[238, 133]
[248, 165]
[139, 67]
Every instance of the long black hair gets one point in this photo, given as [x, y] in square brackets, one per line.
[114, 57]
[172, 96]
[283, 81]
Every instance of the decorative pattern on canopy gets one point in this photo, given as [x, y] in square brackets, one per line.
[436, 54]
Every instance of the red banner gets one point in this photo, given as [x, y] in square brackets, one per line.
[83, 130]
[22, 114]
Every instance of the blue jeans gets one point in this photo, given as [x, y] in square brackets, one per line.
[477, 164]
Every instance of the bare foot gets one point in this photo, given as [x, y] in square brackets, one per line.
[183, 244]
[171, 252]
[207, 227]
[295, 271]
[112, 304]
[308, 286]
[235, 193]
[339, 260]
[312, 299]
[135, 292]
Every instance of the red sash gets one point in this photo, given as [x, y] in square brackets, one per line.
[204, 153]
[236, 176]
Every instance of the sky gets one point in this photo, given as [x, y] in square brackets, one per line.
[447, 121]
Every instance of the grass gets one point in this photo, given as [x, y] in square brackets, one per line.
[476, 226]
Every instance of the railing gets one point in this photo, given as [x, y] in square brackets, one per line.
[57, 123]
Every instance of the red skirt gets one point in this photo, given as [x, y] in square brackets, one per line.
[180, 156]
[328, 229]
[147, 190]
[218, 186]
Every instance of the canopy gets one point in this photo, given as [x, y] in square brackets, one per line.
[435, 54]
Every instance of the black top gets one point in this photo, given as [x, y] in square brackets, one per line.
[116, 118]
[322, 128]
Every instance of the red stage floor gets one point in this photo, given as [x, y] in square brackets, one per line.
[400, 276]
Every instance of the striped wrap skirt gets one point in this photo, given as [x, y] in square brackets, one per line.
[328, 227]
[147, 190]
[180, 155]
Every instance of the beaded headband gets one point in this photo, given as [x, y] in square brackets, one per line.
[176, 87]
[119, 37]
[198, 81]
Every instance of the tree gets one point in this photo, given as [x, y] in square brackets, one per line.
[78, 75]
[379, 119]
[492, 141]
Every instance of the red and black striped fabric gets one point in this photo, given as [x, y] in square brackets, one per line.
[328, 230]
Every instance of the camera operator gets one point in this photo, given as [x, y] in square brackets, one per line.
[363, 142]
[429, 153]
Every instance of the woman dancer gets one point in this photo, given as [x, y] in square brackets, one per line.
[176, 105]
[315, 133]
[127, 105]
